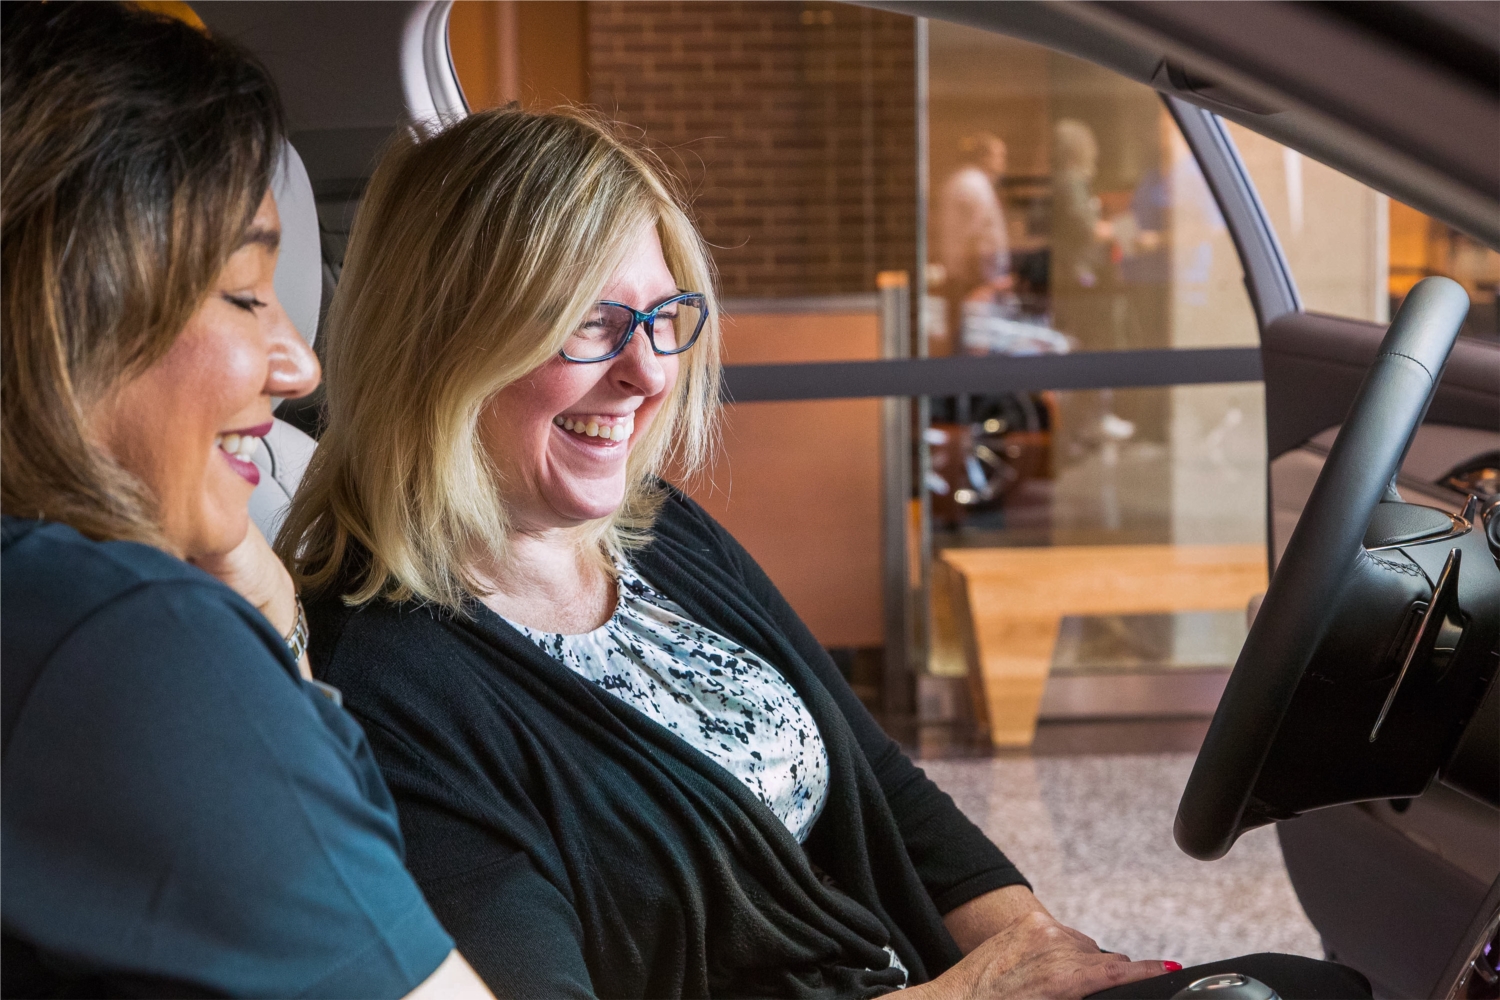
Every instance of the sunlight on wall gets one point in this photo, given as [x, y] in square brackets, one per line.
[1335, 231]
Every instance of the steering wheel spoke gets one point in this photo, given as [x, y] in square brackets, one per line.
[1437, 637]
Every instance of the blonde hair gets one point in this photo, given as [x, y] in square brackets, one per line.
[475, 253]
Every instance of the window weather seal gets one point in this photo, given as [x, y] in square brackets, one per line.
[429, 82]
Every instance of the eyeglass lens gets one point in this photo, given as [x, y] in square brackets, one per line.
[606, 326]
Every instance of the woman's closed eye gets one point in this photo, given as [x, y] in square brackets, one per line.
[595, 332]
[249, 303]
[665, 329]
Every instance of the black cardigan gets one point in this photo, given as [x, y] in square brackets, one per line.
[574, 847]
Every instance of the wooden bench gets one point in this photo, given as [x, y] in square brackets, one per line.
[1004, 606]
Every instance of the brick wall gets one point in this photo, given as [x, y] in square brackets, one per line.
[792, 126]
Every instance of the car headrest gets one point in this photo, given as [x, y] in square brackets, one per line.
[282, 459]
[299, 270]
[285, 452]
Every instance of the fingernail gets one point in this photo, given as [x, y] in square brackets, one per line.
[1172, 966]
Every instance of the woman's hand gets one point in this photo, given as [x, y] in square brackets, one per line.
[1035, 957]
[981, 918]
[253, 571]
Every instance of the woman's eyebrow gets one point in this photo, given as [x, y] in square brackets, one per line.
[664, 299]
[268, 238]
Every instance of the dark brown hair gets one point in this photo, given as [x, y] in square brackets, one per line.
[134, 151]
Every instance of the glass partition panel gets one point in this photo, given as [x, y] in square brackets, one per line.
[1087, 546]
[1097, 575]
[1192, 473]
[1065, 210]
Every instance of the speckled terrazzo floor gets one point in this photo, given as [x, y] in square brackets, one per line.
[1094, 835]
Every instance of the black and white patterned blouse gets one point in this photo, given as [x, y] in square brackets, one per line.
[716, 694]
[723, 699]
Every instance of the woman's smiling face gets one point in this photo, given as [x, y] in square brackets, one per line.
[553, 471]
[187, 426]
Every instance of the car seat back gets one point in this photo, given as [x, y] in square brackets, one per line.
[285, 452]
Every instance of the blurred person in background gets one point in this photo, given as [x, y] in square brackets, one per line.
[1080, 234]
[1086, 300]
[973, 245]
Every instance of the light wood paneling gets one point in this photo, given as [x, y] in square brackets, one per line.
[553, 43]
[474, 37]
[534, 52]
[799, 483]
[1015, 599]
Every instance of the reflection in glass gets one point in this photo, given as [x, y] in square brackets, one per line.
[1064, 198]
[1196, 478]
[1182, 640]
[1067, 214]
[1087, 545]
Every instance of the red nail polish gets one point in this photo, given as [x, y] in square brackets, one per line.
[1172, 966]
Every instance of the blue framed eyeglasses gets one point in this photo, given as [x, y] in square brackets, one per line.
[672, 327]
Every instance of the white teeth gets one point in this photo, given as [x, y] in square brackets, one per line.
[598, 427]
[241, 446]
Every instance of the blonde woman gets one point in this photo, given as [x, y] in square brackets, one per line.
[624, 766]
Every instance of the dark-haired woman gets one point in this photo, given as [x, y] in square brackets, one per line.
[184, 813]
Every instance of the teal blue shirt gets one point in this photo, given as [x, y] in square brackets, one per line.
[182, 812]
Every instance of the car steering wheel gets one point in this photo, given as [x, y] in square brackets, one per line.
[1303, 599]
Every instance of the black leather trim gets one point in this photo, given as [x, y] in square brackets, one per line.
[1315, 364]
[1382, 904]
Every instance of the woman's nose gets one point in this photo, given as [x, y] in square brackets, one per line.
[638, 369]
[293, 368]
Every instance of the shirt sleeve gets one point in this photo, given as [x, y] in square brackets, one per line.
[954, 859]
[177, 808]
